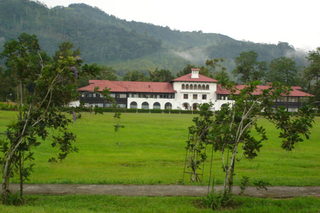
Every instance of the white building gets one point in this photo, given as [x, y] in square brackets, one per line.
[185, 92]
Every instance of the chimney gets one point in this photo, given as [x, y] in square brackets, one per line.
[194, 73]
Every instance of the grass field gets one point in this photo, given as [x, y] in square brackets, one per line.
[106, 203]
[150, 150]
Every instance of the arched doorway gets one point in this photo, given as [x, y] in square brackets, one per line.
[168, 106]
[133, 105]
[145, 105]
[195, 106]
[185, 106]
[156, 105]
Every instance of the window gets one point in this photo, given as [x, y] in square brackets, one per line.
[204, 97]
[195, 87]
[185, 96]
[207, 87]
[182, 86]
[90, 95]
[123, 95]
[133, 105]
[187, 86]
[191, 86]
[185, 105]
[145, 105]
[203, 87]
[195, 96]
[293, 99]
[156, 105]
[168, 106]
[109, 105]
[94, 95]
[122, 105]
[112, 95]
[199, 87]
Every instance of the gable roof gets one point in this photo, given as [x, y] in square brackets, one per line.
[201, 78]
[129, 86]
[295, 92]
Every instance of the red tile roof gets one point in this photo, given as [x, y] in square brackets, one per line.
[201, 78]
[129, 86]
[296, 92]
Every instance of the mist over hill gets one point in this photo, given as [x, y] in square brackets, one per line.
[107, 40]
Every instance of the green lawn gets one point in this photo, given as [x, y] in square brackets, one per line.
[106, 203]
[150, 150]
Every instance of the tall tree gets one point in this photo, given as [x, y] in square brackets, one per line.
[229, 131]
[284, 70]
[186, 70]
[106, 73]
[216, 65]
[44, 87]
[248, 68]
[65, 49]
[312, 73]
[160, 75]
[135, 76]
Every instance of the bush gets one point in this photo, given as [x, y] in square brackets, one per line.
[217, 200]
[10, 107]
[125, 110]
[12, 199]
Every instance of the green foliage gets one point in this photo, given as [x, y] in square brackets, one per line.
[44, 86]
[312, 75]
[248, 68]
[160, 75]
[261, 184]
[126, 46]
[232, 126]
[293, 126]
[197, 141]
[13, 199]
[244, 183]
[135, 76]
[217, 201]
[186, 70]
[283, 70]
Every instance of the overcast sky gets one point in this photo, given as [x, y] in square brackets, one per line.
[295, 22]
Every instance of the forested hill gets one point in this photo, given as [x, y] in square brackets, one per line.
[110, 41]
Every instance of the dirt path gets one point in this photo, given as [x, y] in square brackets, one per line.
[160, 190]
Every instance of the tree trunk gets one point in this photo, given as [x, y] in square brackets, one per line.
[231, 177]
[20, 172]
[6, 177]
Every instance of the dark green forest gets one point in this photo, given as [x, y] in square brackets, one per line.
[126, 46]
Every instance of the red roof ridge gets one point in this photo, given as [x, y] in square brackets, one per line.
[201, 78]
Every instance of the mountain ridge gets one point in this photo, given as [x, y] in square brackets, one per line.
[126, 45]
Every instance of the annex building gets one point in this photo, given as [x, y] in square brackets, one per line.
[185, 93]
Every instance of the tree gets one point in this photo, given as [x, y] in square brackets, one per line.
[106, 73]
[135, 76]
[64, 51]
[160, 75]
[230, 130]
[283, 70]
[248, 68]
[215, 65]
[220, 71]
[44, 88]
[222, 77]
[312, 73]
[185, 70]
